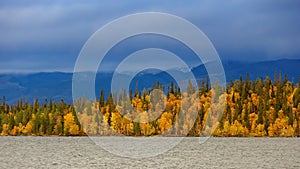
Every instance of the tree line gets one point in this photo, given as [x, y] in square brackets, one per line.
[252, 108]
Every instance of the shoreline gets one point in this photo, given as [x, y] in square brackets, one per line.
[155, 136]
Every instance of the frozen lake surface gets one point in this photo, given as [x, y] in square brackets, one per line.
[82, 152]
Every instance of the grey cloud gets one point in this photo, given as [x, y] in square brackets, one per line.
[37, 30]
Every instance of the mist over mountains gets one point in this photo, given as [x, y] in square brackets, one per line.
[58, 85]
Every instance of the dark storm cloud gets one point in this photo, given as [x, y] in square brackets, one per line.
[48, 35]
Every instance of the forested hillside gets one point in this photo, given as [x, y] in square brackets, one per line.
[58, 85]
[253, 108]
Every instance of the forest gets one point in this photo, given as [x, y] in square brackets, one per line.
[244, 108]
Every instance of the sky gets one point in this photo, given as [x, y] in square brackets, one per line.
[42, 36]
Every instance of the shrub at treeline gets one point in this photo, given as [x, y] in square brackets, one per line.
[252, 108]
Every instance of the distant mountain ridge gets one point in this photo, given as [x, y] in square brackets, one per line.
[58, 85]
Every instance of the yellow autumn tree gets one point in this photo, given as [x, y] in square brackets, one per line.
[28, 128]
[70, 127]
[165, 122]
[4, 130]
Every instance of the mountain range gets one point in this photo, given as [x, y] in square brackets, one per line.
[58, 85]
